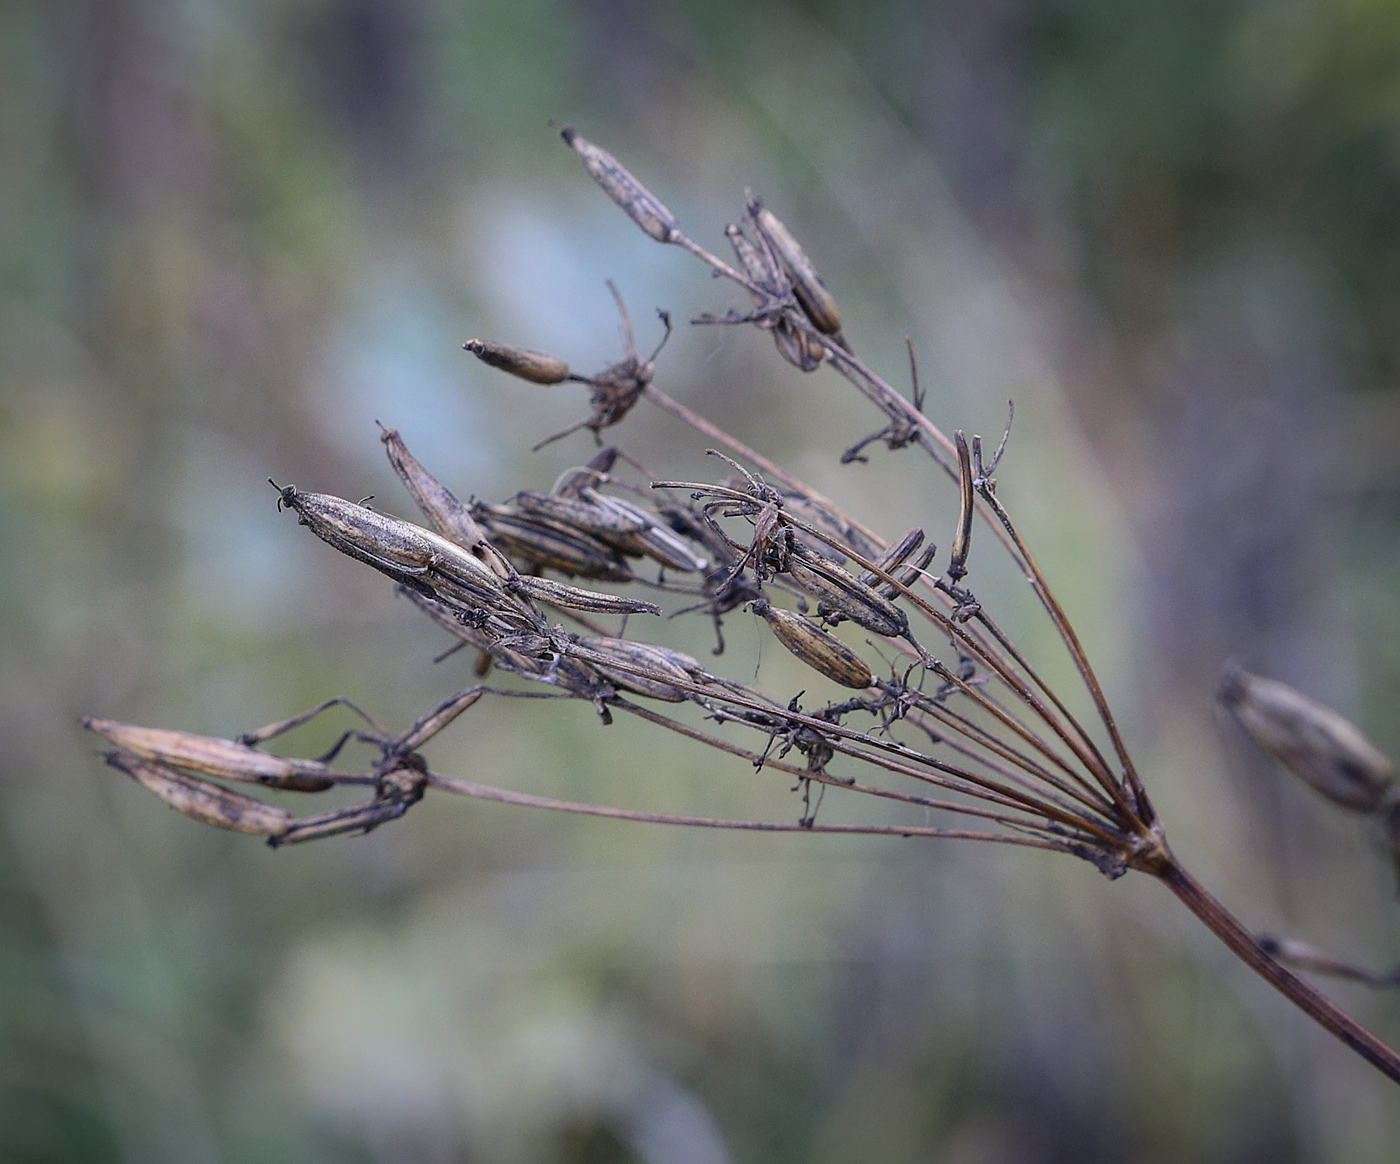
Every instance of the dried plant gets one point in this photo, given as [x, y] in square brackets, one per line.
[960, 721]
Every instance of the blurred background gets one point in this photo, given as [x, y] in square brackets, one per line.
[233, 235]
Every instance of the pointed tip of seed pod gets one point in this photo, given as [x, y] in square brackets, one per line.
[568, 133]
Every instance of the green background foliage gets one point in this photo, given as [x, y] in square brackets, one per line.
[233, 235]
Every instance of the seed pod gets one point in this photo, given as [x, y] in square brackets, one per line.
[962, 539]
[797, 347]
[536, 367]
[641, 205]
[846, 595]
[574, 598]
[211, 756]
[439, 505]
[820, 650]
[582, 511]
[644, 656]
[654, 539]
[754, 261]
[894, 557]
[811, 292]
[1320, 747]
[545, 543]
[203, 801]
[405, 552]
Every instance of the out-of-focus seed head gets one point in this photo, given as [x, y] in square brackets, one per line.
[536, 367]
[819, 649]
[811, 292]
[642, 206]
[1315, 743]
[202, 800]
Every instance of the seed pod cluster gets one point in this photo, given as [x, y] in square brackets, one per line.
[819, 649]
[1322, 748]
[761, 269]
[542, 541]
[536, 367]
[211, 756]
[641, 205]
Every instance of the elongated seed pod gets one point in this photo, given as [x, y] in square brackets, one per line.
[911, 573]
[583, 512]
[545, 543]
[962, 540]
[847, 595]
[203, 801]
[211, 756]
[811, 292]
[1315, 743]
[754, 261]
[819, 649]
[656, 660]
[575, 598]
[448, 516]
[894, 557]
[641, 205]
[536, 367]
[654, 540]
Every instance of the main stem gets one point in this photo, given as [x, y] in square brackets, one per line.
[1229, 930]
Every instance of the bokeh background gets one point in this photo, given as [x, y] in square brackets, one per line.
[235, 234]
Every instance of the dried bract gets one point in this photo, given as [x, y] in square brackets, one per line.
[536, 367]
[641, 205]
[1315, 743]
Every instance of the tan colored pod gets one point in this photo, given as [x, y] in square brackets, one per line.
[811, 292]
[1315, 743]
[575, 598]
[202, 801]
[212, 756]
[536, 367]
[819, 649]
[642, 206]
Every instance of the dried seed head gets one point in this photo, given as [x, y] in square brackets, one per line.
[811, 292]
[533, 366]
[641, 205]
[203, 801]
[1317, 745]
[211, 756]
[819, 649]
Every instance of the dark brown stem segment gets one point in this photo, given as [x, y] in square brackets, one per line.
[1228, 929]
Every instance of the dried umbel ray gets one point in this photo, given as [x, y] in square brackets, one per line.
[929, 706]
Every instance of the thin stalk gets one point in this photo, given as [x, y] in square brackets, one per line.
[506, 796]
[1244, 945]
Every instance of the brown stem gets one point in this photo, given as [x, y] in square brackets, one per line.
[1229, 930]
